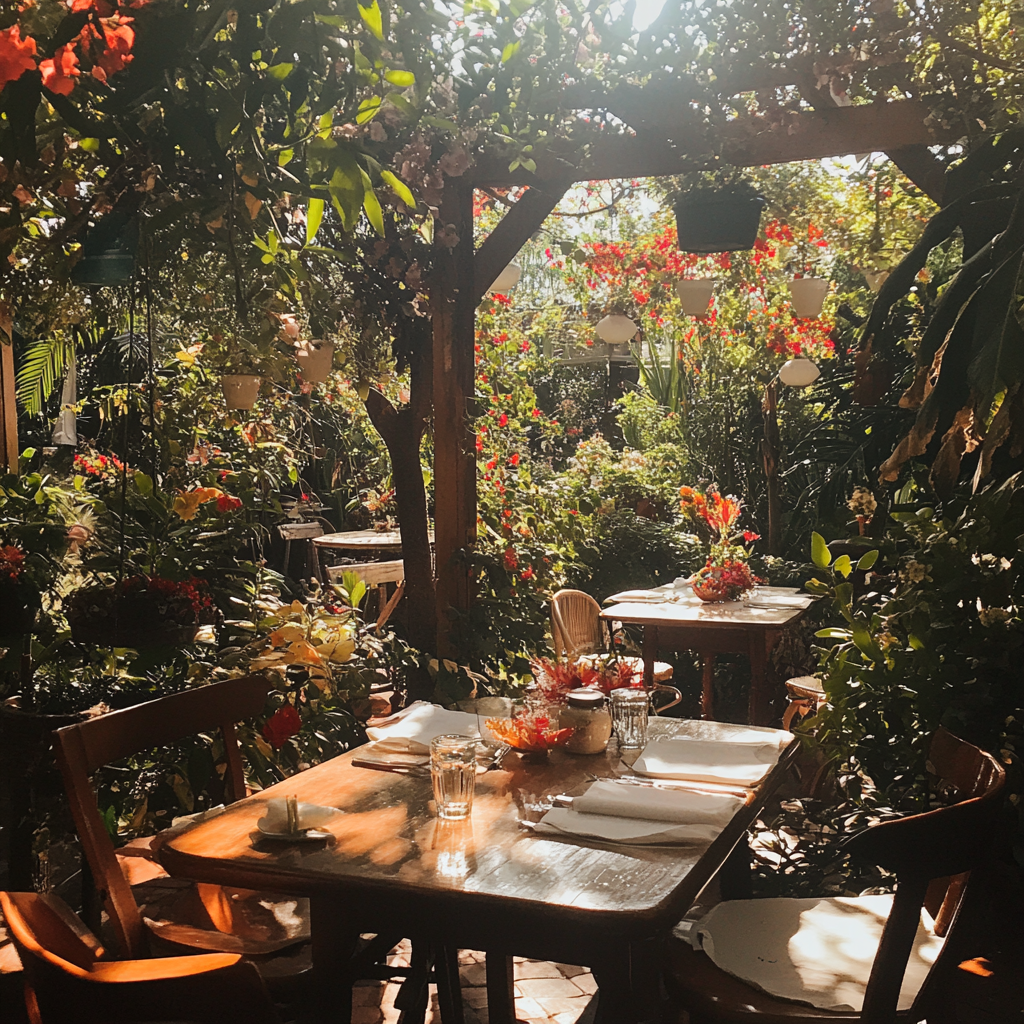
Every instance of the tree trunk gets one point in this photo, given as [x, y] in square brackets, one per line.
[402, 431]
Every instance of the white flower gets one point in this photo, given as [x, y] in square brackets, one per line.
[862, 503]
[914, 572]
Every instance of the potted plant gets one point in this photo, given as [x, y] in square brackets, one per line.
[718, 214]
[695, 294]
[140, 611]
[808, 295]
[726, 576]
[315, 358]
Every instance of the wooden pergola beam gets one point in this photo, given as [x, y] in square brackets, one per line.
[743, 142]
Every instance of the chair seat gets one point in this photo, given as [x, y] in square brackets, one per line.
[777, 960]
[806, 687]
[662, 669]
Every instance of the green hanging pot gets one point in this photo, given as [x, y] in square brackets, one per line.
[713, 221]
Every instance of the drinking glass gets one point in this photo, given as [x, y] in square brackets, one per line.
[629, 717]
[453, 773]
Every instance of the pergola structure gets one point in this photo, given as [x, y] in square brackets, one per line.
[664, 140]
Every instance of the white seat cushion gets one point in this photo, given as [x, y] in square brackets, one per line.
[816, 951]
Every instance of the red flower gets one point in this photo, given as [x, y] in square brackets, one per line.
[527, 573]
[514, 461]
[16, 55]
[510, 560]
[503, 420]
[282, 724]
[60, 72]
[750, 537]
[228, 503]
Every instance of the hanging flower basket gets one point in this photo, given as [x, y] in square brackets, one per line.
[808, 294]
[726, 582]
[141, 611]
[695, 295]
[715, 221]
[315, 359]
[240, 389]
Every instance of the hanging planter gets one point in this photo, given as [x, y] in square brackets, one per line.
[139, 612]
[711, 220]
[696, 295]
[108, 252]
[808, 294]
[241, 389]
[315, 359]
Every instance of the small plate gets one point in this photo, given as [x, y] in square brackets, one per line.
[304, 835]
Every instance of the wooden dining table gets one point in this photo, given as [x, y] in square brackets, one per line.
[680, 621]
[486, 883]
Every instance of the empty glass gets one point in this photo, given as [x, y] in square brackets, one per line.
[629, 716]
[453, 773]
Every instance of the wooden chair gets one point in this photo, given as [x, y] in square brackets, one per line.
[806, 696]
[200, 916]
[576, 632]
[68, 979]
[307, 532]
[379, 575]
[931, 855]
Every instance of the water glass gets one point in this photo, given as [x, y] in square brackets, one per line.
[453, 773]
[629, 717]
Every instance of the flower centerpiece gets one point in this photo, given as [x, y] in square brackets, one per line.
[530, 731]
[140, 611]
[726, 576]
[555, 678]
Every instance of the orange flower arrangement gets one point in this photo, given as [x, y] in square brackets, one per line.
[533, 734]
[555, 679]
[726, 575]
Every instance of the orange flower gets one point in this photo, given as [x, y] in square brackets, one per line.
[60, 71]
[16, 55]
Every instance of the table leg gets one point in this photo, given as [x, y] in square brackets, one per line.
[334, 941]
[707, 686]
[650, 654]
[449, 990]
[759, 708]
[501, 1000]
[614, 991]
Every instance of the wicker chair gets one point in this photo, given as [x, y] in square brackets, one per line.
[576, 632]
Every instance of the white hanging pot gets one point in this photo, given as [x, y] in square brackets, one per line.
[315, 358]
[616, 329]
[808, 296]
[876, 278]
[240, 389]
[506, 280]
[695, 295]
[799, 373]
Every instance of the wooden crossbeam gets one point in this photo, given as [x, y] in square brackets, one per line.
[743, 142]
[513, 231]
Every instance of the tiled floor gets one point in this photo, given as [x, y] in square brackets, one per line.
[546, 993]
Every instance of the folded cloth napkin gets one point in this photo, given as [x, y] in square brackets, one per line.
[275, 817]
[652, 804]
[629, 831]
[411, 730]
[734, 762]
[654, 596]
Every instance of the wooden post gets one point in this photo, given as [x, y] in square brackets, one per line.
[8, 409]
[453, 314]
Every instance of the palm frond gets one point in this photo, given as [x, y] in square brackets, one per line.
[42, 369]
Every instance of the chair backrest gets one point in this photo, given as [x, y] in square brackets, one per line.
[371, 573]
[300, 531]
[945, 844]
[83, 748]
[575, 625]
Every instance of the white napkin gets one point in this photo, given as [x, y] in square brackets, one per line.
[653, 804]
[654, 596]
[275, 818]
[635, 831]
[411, 730]
[739, 762]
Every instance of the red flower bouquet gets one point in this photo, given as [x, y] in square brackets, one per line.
[726, 576]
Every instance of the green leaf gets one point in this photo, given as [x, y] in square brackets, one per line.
[998, 338]
[400, 188]
[346, 188]
[371, 205]
[368, 109]
[41, 369]
[143, 483]
[833, 633]
[314, 214]
[864, 642]
[843, 566]
[867, 560]
[372, 17]
[285, 157]
[403, 79]
[820, 554]
[280, 71]
[509, 52]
